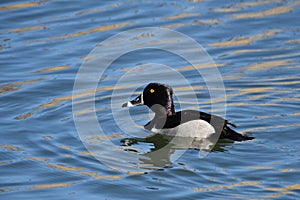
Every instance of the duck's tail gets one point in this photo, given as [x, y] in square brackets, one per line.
[233, 135]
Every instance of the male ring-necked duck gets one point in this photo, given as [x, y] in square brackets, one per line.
[186, 123]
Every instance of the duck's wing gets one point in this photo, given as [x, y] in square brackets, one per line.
[228, 133]
[219, 124]
[188, 115]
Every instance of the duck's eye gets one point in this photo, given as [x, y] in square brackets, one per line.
[152, 91]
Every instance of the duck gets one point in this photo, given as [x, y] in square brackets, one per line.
[186, 123]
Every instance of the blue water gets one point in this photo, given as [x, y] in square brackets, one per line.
[44, 44]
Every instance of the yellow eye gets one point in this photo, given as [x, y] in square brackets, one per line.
[151, 91]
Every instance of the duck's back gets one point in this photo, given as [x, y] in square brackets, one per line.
[185, 116]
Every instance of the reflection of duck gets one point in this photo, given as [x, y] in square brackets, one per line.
[186, 123]
[164, 147]
[160, 141]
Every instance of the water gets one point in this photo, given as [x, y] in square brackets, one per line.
[255, 45]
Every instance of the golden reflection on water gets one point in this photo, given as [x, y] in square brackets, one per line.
[82, 112]
[51, 69]
[93, 30]
[96, 176]
[191, 88]
[247, 40]
[19, 30]
[248, 91]
[288, 170]
[241, 51]
[21, 5]
[49, 186]
[295, 114]
[261, 167]
[279, 194]
[10, 87]
[46, 105]
[137, 173]
[10, 147]
[63, 167]
[86, 58]
[267, 65]
[195, 22]
[47, 137]
[152, 42]
[185, 68]
[57, 100]
[257, 3]
[37, 159]
[257, 129]
[23, 116]
[218, 187]
[282, 56]
[170, 26]
[182, 15]
[81, 33]
[90, 92]
[196, 1]
[273, 11]
[285, 188]
[88, 11]
[64, 147]
[279, 191]
[207, 22]
[227, 9]
[293, 41]
[200, 66]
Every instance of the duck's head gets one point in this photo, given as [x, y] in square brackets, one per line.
[158, 97]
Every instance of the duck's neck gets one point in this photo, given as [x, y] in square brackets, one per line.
[170, 104]
[161, 115]
[160, 118]
[166, 109]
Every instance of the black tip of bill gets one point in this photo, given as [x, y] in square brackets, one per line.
[124, 105]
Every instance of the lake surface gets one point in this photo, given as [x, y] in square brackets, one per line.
[46, 123]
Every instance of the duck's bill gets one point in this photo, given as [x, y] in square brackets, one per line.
[135, 102]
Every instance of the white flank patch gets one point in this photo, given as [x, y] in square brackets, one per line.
[195, 129]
